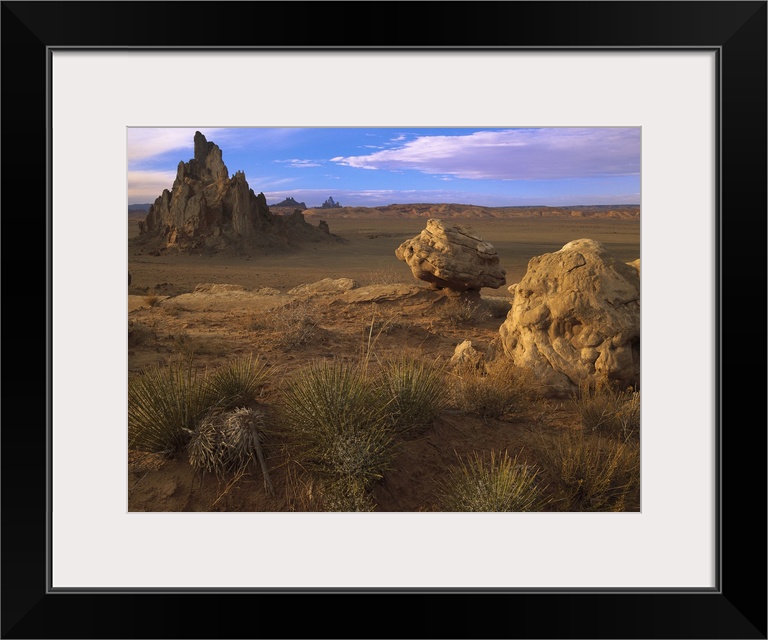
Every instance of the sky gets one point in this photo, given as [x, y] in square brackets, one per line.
[369, 167]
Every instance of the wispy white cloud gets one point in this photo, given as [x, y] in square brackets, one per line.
[146, 186]
[298, 163]
[146, 143]
[515, 154]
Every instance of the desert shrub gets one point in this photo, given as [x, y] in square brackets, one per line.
[238, 382]
[337, 424]
[151, 300]
[226, 442]
[414, 390]
[500, 483]
[495, 390]
[139, 333]
[593, 473]
[458, 311]
[606, 409]
[292, 324]
[164, 404]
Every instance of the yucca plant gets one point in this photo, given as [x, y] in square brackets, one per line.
[225, 443]
[498, 483]
[337, 423]
[238, 382]
[593, 473]
[164, 404]
[414, 390]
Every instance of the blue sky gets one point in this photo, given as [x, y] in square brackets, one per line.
[379, 166]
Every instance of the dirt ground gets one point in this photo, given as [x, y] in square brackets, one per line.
[389, 313]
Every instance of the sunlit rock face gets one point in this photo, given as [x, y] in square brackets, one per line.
[205, 209]
[575, 317]
[450, 256]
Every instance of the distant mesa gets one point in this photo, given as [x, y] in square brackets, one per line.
[289, 202]
[330, 203]
[207, 211]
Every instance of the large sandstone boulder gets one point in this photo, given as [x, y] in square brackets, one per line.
[450, 256]
[206, 210]
[575, 317]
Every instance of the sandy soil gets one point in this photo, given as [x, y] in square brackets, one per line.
[167, 317]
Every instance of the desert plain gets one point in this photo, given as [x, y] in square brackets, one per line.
[211, 309]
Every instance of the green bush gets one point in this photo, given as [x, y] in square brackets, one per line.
[593, 473]
[499, 484]
[165, 403]
[337, 424]
[414, 391]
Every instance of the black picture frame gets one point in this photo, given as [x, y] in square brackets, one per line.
[735, 609]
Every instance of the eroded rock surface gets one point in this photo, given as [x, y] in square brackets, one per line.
[324, 286]
[451, 256]
[206, 210]
[575, 317]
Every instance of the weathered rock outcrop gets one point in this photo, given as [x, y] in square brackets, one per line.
[207, 210]
[330, 203]
[450, 256]
[324, 286]
[575, 317]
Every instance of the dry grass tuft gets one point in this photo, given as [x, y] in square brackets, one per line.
[458, 311]
[494, 391]
[140, 333]
[292, 325]
[593, 473]
[608, 410]
[499, 483]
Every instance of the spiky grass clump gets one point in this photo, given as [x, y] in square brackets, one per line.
[608, 410]
[165, 403]
[593, 473]
[337, 424]
[225, 443]
[500, 483]
[493, 391]
[414, 390]
[238, 382]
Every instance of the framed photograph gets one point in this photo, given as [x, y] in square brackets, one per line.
[83, 80]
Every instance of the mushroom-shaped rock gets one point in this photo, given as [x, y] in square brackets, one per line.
[450, 256]
[575, 318]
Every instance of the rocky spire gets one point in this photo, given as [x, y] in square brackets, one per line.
[207, 210]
